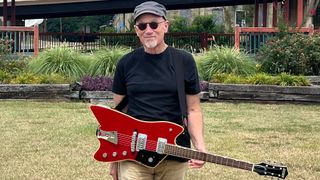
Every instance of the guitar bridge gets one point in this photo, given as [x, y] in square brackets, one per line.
[110, 136]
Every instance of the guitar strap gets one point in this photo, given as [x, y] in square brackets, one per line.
[178, 66]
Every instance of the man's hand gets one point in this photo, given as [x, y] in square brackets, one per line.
[193, 163]
[114, 170]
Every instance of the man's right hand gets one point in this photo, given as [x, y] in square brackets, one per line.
[114, 170]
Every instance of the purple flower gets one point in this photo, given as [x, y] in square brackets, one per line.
[98, 83]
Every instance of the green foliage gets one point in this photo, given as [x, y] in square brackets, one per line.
[26, 78]
[261, 78]
[4, 77]
[199, 24]
[32, 78]
[224, 60]
[283, 28]
[60, 60]
[179, 24]
[4, 48]
[235, 80]
[205, 24]
[105, 61]
[11, 68]
[295, 54]
[55, 78]
[285, 79]
[219, 77]
[282, 79]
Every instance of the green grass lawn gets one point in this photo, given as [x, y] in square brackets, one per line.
[56, 140]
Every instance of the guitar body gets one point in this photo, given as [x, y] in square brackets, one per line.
[121, 137]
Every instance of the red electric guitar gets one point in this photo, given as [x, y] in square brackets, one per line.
[123, 137]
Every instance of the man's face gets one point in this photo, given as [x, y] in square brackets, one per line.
[151, 29]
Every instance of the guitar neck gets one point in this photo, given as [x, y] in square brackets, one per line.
[192, 154]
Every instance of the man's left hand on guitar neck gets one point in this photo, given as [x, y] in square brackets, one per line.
[195, 163]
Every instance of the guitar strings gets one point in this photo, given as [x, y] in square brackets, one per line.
[125, 140]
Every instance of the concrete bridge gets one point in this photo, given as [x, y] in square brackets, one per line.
[32, 9]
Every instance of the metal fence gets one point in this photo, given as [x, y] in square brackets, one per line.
[28, 39]
[94, 41]
[250, 39]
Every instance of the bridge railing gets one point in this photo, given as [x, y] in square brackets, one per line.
[20, 39]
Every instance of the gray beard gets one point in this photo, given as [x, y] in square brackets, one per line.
[151, 44]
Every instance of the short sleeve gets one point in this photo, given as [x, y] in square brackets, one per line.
[119, 83]
[191, 76]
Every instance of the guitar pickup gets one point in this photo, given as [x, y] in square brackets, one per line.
[161, 145]
[110, 136]
[141, 142]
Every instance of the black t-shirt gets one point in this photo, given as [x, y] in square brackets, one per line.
[150, 82]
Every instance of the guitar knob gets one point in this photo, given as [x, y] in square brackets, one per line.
[150, 159]
[124, 153]
[104, 155]
[114, 154]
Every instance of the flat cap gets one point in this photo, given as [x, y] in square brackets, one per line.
[151, 7]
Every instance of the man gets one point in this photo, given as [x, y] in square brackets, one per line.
[147, 76]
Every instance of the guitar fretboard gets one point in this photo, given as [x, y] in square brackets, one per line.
[193, 154]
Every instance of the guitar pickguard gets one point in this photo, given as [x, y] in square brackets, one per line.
[151, 159]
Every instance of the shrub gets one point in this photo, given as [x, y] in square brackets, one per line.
[26, 78]
[10, 69]
[55, 78]
[282, 79]
[219, 78]
[285, 79]
[179, 24]
[4, 77]
[235, 79]
[261, 78]
[105, 61]
[13, 66]
[60, 60]
[295, 54]
[206, 24]
[224, 60]
[32, 78]
[204, 86]
[4, 48]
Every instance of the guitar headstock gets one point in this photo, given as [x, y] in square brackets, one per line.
[273, 170]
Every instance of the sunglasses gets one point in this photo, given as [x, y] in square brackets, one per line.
[152, 25]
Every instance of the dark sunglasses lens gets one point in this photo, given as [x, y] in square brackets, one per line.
[142, 26]
[153, 25]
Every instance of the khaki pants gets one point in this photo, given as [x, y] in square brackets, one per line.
[166, 170]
